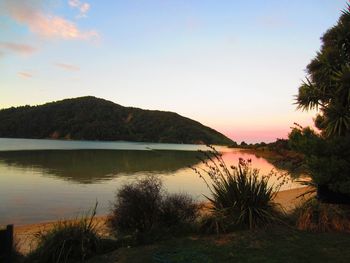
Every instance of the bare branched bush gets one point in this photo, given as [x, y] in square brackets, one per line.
[143, 209]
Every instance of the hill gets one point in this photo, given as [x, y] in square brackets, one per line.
[90, 118]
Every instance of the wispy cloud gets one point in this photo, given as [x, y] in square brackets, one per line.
[17, 48]
[68, 67]
[30, 14]
[74, 3]
[83, 7]
[24, 74]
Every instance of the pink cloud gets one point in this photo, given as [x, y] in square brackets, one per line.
[84, 8]
[43, 24]
[74, 3]
[24, 74]
[68, 67]
[81, 6]
[17, 48]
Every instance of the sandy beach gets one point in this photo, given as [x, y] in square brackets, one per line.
[25, 234]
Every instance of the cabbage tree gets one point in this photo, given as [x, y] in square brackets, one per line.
[327, 85]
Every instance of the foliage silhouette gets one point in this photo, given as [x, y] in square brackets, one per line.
[327, 89]
[327, 86]
[146, 212]
[240, 197]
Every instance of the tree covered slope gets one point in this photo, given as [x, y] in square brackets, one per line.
[90, 118]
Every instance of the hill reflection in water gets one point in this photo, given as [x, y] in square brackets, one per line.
[90, 166]
[42, 185]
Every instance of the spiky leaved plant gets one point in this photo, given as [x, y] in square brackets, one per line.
[240, 197]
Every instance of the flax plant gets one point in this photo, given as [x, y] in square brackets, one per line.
[240, 197]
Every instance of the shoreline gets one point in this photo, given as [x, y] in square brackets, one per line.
[284, 197]
[25, 234]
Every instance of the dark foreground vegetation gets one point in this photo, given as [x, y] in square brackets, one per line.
[68, 241]
[143, 212]
[272, 245]
[90, 118]
[240, 197]
[309, 234]
[239, 222]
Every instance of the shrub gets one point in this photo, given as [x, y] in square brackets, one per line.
[136, 206]
[178, 209]
[328, 163]
[316, 216]
[68, 241]
[214, 222]
[240, 197]
[144, 210]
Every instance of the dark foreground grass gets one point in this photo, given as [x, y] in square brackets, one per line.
[272, 245]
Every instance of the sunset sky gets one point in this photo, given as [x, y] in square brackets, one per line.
[232, 65]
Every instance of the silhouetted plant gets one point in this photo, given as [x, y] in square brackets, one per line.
[327, 161]
[327, 90]
[239, 196]
[68, 241]
[315, 216]
[144, 210]
[178, 209]
[136, 206]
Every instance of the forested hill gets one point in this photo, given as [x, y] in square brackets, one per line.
[90, 118]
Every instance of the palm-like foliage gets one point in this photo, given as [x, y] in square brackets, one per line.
[239, 195]
[327, 87]
[328, 160]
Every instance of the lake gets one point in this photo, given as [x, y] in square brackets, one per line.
[43, 180]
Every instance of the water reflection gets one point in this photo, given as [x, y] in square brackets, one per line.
[46, 185]
[90, 166]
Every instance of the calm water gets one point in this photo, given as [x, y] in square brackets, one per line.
[43, 180]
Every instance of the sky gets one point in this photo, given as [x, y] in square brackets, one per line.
[233, 65]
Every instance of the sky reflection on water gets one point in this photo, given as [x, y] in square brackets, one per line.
[47, 185]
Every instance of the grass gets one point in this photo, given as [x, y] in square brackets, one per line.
[278, 244]
[322, 217]
[68, 241]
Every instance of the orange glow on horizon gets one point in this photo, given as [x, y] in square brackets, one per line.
[252, 133]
